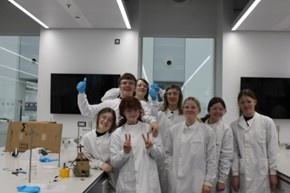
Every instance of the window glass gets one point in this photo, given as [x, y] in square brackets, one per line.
[186, 62]
[18, 77]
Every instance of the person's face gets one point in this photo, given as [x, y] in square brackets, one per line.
[190, 109]
[127, 87]
[141, 88]
[132, 115]
[216, 112]
[247, 105]
[105, 122]
[172, 96]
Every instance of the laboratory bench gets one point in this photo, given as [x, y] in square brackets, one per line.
[284, 170]
[46, 176]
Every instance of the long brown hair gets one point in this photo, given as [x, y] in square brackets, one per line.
[129, 103]
[165, 103]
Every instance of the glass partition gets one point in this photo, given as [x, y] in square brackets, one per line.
[18, 77]
[187, 62]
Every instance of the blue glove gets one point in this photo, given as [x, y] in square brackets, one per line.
[155, 87]
[81, 86]
[31, 189]
[46, 159]
[153, 94]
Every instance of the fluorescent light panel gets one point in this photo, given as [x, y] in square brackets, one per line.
[124, 14]
[28, 13]
[246, 14]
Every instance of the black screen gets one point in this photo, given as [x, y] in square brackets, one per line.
[273, 95]
[63, 98]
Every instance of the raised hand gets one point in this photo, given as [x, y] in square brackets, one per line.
[155, 87]
[153, 94]
[81, 86]
[147, 141]
[127, 144]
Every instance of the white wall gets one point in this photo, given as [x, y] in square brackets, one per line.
[259, 54]
[81, 51]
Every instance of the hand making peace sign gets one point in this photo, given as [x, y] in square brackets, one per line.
[127, 144]
[148, 142]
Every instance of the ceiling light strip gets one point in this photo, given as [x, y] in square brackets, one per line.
[28, 13]
[245, 14]
[124, 14]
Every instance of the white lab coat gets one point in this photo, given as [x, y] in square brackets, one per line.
[255, 153]
[92, 110]
[97, 150]
[146, 105]
[138, 169]
[165, 120]
[193, 151]
[224, 148]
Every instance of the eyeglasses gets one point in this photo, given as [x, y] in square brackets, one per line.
[128, 82]
[172, 93]
[142, 85]
[218, 109]
[190, 107]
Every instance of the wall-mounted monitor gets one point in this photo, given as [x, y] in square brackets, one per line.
[273, 95]
[63, 93]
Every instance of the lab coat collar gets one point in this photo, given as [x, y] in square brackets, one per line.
[246, 125]
[170, 113]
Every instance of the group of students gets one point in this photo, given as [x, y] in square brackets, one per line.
[164, 147]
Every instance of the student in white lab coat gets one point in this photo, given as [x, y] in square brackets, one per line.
[141, 93]
[127, 85]
[256, 150]
[97, 142]
[170, 113]
[224, 143]
[192, 147]
[134, 151]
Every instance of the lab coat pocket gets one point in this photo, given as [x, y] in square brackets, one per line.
[127, 181]
[264, 169]
[195, 145]
[154, 182]
[242, 166]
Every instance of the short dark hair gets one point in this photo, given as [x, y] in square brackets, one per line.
[127, 76]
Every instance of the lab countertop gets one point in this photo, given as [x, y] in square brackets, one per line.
[284, 157]
[46, 175]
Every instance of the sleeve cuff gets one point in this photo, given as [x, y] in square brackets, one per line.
[235, 174]
[273, 172]
[100, 165]
[126, 155]
[207, 183]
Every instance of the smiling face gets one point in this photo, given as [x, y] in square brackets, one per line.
[172, 96]
[127, 87]
[141, 89]
[105, 122]
[216, 112]
[190, 109]
[247, 105]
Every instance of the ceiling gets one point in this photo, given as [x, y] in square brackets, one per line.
[76, 13]
[269, 15]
